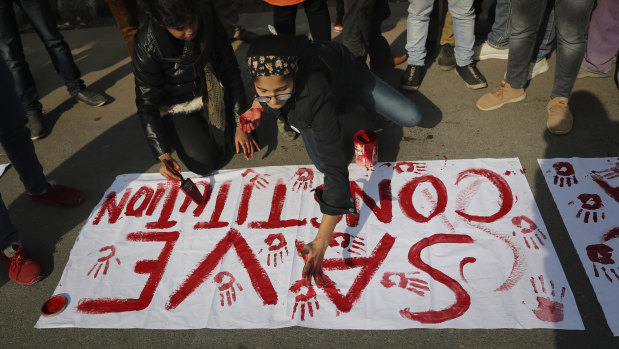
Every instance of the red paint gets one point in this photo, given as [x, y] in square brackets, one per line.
[406, 198]
[112, 208]
[161, 190]
[164, 222]
[412, 284]
[506, 199]
[277, 204]
[383, 212]
[304, 298]
[259, 181]
[206, 196]
[220, 203]
[354, 243]
[305, 179]
[590, 205]
[226, 288]
[565, 174]
[600, 253]
[248, 189]
[602, 177]
[105, 260]
[612, 234]
[144, 192]
[54, 305]
[258, 276]
[155, 268]
[463, 300]
[408, 166]
[277, 243]
[527, 226]
[463, 262]
[547, 309]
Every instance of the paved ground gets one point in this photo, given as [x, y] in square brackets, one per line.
[89, 147]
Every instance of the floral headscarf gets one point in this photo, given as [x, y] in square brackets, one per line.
[271, 65]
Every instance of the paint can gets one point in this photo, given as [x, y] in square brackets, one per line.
[55, 305]
[366, 148]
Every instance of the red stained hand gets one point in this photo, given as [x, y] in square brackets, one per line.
[314, 253]
[251, 119]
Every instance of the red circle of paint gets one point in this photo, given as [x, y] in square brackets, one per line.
[54, 305]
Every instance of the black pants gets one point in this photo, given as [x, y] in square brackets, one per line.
[362, 34]
[189, 135]
[317, 15]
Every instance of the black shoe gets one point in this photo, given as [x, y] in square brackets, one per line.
[91, 98]
[411, 79]
[36, 125]
[472, 77]
[446, 58]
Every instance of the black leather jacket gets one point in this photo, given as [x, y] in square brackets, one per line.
[163, 77]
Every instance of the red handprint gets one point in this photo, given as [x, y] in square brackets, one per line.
[565, 174]
[258, 180]
[304, 299]
[527, 226]
[407, 166]
[250, 120]
[305, 179]
[591, 204]
[105, 260]
[227, 288]
[409, 283]
[353, 244]
[548, 309]
[602, 254]
[276, 243]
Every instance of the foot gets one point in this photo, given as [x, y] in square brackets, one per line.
[397, 60]
[446, 58]
[90, 97]
[472, 77]
[245, 35]
[338, 27]
[500, 96]
[485, 51]
[20, 265]
[582, 73]
[411, 79]
[36, 125]
[58, 195]
[560, 120]
[535, 69]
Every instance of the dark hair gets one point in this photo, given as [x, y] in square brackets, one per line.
[171, 13]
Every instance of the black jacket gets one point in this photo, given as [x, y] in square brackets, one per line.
[163, 77]
[324, 88]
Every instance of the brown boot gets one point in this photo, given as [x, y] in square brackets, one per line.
[560, 119]
[500, 96]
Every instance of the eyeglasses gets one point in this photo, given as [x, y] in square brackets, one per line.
[279, 97]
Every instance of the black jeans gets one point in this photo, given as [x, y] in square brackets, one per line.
[317, 15]
[572, 24]
[40, 15]
[362, 33]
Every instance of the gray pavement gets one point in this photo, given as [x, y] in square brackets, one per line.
[89, 147]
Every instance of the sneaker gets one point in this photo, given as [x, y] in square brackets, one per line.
[485, 51]
[59, 195]
[411, 79]
[20, 265]
[338, 27]
[560, 120]
[582, 73]
[36, 125]
[500, 96]
[91, 98]
[535, 69]
[446, 58]
[286, 130]
[472, 77]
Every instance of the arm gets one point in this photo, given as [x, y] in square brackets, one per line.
[315, 250]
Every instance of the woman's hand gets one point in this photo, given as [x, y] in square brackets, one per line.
[165, 171]
[315, 250]
[250, 120]
[244, 141]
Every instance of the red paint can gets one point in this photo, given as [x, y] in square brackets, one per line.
[366, 148]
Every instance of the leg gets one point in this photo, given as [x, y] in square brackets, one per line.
[501, 28]
[125, 13]
[310, 147]
[339, 8]
[379, 49]
[229, 15]
[447, 34]
[284, 20]
[417, 30]
[464, 30]
[545, 39]
[357, 21]
[317, 14]
[603, 39]
[8, 233]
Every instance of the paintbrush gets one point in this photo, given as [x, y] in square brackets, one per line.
[187, 185]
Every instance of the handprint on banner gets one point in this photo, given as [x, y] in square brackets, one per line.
[530, 231]
[602, 254]
[408, 166]
[351, 243]
[105, 260]
[549, 309]
[277, 245]
[304, 179]
[305, 299]
[565, 174]
[258, 180]
[604, 179]
[591, 205]
[227, 292]
[409, 283]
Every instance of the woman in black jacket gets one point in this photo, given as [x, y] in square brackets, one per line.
[189, 92]
[307, 85]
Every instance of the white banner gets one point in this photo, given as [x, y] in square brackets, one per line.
[437, 244]
[586, 192]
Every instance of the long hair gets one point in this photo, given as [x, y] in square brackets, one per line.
[172, 13]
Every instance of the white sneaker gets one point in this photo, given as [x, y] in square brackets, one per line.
[535, 69]
[485, 51]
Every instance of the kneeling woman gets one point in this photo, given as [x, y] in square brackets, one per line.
[189, 92]
[307, 85]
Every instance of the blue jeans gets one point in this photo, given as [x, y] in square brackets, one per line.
[501, 29]
[15, 139]
[11, 49]
[463, 15]
[374, 95]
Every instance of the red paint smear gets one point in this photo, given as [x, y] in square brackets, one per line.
[612, 234]
[277, 204]
[206, 196]
[281, 241]
[464, 262]
[155, 268]
[164, 222]
[382, 213]
[54, 305]
[111, 207]
[548, 311]
[406, 198]
[259, 278]
[463, 300]
[161, 189]
[244, 206]
[145, 192]
[505, 195]
[220, 203]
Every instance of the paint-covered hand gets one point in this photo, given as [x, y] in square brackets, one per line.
[314, 253]
[245, 142]
[250, 120]
[169, 168]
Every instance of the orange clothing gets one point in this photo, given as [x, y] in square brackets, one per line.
[283, 2]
